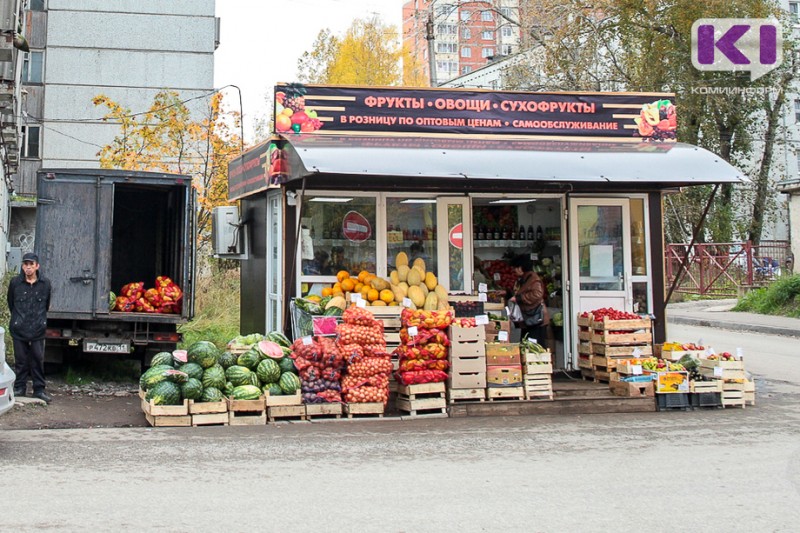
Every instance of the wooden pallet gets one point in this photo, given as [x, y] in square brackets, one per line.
[505, 393]
[422, 399]
[286, 412]
[324, 410]
[169, 420]
[587, 374]
[360, 410]
[211, 419]
[466, 395]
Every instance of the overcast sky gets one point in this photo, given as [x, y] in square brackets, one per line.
[261, 41]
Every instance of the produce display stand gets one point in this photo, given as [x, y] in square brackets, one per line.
[467, 378]
[504, 377]
[423, 399]
[613, 340]
[538, 376]
[316, 411]
[209, 413]
[731, 375]
[366, 409]
[247, 412]
[167, 415]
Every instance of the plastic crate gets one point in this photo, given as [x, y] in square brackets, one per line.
[468, 309]
[706, 399]
[677, 400]
[304, 323]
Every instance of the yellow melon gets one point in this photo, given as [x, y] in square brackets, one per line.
[399, 293]
[431, 302]
[379, 284]
[416, 295]
[378, 303]
[404, 287]
[402, 272]
[394, 277]
[430, 280]
[387, 296]
[401, 259]
[414, 278]
[419, 262]
[441, 293]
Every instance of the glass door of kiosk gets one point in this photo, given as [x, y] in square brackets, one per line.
[454, 240]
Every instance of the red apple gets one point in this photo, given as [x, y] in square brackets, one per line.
[299, 117]
[307, 127]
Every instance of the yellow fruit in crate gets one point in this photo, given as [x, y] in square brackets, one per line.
[400, 259]
[379, 303]
[348, 284]
[414, 279]
[361, 275]
[419, 263]
[416, 295]
[342, 275]
[424, 289]
[431, 302]
[404, 287]
[313, 298]
[399, 293]
[443, 306]
[379, 284]
[386, 295]
[368, 278]
[394, 277]
[402, 272]
[358, 287]
[337, 301]
[327, 291]
[393, 304]
[337, 287]
[373, 295]
[337, 293]
[430, 281]
[441, 293]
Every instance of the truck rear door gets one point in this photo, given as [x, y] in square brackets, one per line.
[73, 231]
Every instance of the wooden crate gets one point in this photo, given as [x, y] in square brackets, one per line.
[585, 335]
[294, 399]
[587, 374]
[201, 408]
[466, 395]
[324, 410]
[621, 325]
[505, 393]
[467, 380]
[715, 385]
[585, 362]
[151, 409]
[211, 419]
[422, 399]
[247, 418]
[733, 398]
[168, 420]
[640, 389]
[500, 353]
[247, 405]
[723, 374]
[538, 387]
[749, 392]
[584, 321]
[604, 362]
[626, 350]
[603, 375]
[353, 410]
[472, 363]
[286, 412]
[537, 368]
[726, 365]
[533, 357]
[457, 334]
[607, 337]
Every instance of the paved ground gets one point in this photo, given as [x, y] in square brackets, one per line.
[717, 314]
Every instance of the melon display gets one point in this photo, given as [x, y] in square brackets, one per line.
[246, 392]
[249, 359]
[204, 353]
[193, 370]
[289, 383]
[164, 393]
[226, 360]
[211, 394]
[273, 389]
[214, 377]
[192, 389]
[238, 375]
[269, 371]
[162, 358]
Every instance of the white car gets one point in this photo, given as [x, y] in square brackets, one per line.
[7, 378]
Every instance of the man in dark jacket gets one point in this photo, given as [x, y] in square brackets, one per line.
[28, 301]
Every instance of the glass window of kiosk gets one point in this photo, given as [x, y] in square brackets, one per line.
[411, 228]
[337, 233]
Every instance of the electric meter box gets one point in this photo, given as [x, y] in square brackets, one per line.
[228, 233]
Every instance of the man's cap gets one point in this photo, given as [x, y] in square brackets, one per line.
[30, 257]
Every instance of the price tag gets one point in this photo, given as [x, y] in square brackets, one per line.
[481, 320]
[355, 296]
[502, 336]
[636, 369]
[710, 351]
[636, 353]
[482, 287]
[496, 276]
[739, 353]
[699, 342]
[482, 297]
[534, 257]
[718, 371]
[361, 303]
[308, 340]
[412, 331]
[406, 302]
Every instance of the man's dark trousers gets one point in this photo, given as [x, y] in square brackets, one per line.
[29, 360]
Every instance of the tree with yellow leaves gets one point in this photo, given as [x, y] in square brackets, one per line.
[165, 138]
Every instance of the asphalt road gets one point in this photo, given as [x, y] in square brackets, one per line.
[719, 470]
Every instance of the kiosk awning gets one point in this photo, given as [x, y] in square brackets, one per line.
[662, 164]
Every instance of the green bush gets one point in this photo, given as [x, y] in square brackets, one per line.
[216, 310]
[5, 317]
[782, 298]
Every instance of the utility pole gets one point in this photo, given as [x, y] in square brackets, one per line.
[429, 36]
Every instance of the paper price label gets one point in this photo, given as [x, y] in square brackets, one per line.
[636, 369]
[502, 336]
[496, 276]
[481, 320]
[482, 297]
[482, 287]
[636, 353]
[361, 303]
[406, 302]
[412, 331]
[739, 353]
[699, 342]
[355, 296]
[718, 371]
[308, 340]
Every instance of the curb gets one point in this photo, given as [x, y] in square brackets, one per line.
[735, 326]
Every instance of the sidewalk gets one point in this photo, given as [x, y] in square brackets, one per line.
[717, 314]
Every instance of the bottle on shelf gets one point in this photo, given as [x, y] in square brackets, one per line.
[496, 233]
[539, 233]
[504, 233]
[530, 233]
[521, 234]
[481, 233]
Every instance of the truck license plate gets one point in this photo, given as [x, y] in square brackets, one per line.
[106, 347]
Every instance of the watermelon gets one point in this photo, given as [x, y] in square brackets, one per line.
[279, 338]
[289, 383]
[214, 377]
[238, 375]
[254, 381]
[333, 311]
[162, 358]
[268, 371]
[270, 349]
[246, 392]
[153, 375]
[193, 370]
[273, 389]
[164, 393]
[287, 365]
[212, 394]
[226, 359]
[179, 356]
[249, 359]
[203, 353]
[192, 389]
[228, 388]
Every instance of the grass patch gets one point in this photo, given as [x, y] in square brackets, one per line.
[216, 308]
[92, 368]
[5, 318]
[781, 298]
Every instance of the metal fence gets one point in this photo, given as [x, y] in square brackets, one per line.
[723, 269]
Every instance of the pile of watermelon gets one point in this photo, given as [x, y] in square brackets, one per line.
[367, 364]
[320, 364]
[203, 373]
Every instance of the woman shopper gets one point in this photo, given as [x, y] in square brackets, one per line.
[529, 294]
